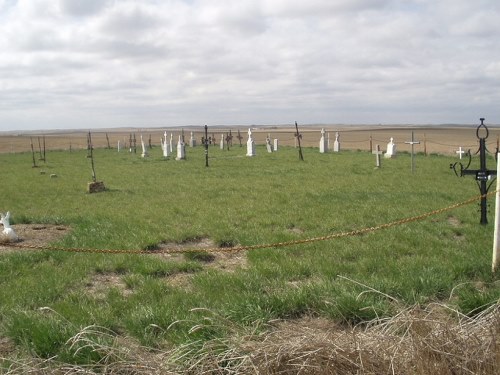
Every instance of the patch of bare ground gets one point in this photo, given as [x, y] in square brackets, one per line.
[197, 249]
[101, 283]
[7, 347]
[33, 235]
[454, 221]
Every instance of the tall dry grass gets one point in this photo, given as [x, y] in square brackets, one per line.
[434, 339]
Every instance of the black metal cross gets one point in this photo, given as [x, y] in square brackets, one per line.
[483, 174]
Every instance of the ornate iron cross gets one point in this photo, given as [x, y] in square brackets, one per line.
[483, 174]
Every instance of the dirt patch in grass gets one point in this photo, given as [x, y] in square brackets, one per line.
[196, 250]
[101, 283]
[224, 260]
[34, 235]
[454, 221]
[6, 346]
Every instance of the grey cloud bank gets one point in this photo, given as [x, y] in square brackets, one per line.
[113, 63]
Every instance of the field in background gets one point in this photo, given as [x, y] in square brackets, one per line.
[438, 139]
[214, 310]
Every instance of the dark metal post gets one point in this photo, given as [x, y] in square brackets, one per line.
[33, 153]
[299, 136]
[91, 156]
[206, 146]
[483, 174]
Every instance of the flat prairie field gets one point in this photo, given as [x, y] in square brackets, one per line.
[439, 139]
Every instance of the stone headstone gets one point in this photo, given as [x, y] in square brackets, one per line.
[323, 145]
[192, 141]
[171, 142]
[391, 149]
[222, 141]
[336, 144]
[118, 146]
[144, 149]
[181, 152]
[165, 145]
[250, 144]
[275, 142]
[269, 147]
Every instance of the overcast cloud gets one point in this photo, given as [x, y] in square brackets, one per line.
[140, 63]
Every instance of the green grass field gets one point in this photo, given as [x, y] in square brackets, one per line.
[46, 296]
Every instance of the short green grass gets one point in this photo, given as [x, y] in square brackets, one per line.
[45, 297]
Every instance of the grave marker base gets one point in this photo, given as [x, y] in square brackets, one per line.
[95, 187]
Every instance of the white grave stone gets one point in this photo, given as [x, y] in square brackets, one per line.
[377, 152]
[222, 141]
[269, 146]
[144, 149]
[250, 144]
[165, 146]
[275, 142]
[336, 144]
[171, 143]
[323, 145]
[118, 146]
[181, 152]
[192, 141]
[391, 150]
[8, 234]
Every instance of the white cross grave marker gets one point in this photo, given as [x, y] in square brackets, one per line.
[377, 152]
[460, 152]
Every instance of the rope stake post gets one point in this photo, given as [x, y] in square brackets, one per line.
[496, 245]
[483, 174]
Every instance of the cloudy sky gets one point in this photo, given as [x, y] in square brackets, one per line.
[142, 63]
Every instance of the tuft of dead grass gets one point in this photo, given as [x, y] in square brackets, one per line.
[434, 339]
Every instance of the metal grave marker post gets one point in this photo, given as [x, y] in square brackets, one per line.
[298, 137]
[412, 143]
[483, 174]
[206, 146]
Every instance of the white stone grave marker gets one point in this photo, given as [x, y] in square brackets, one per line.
[250, 144]
[323, 146]
[144, 149]
[336, 144]
[391, 150]
[181, 152]
[192, 141]
[269, 147]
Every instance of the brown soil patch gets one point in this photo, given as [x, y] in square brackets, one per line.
[101, 283]
[6, 346]
[35, 235]
[454, 221]
[224, 260]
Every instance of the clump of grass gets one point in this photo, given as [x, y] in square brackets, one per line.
[417, 340]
